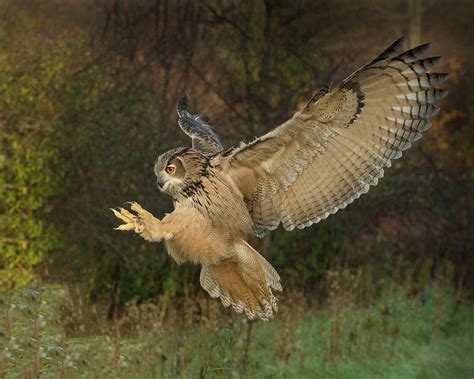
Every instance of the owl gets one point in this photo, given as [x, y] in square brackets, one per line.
[319, 161]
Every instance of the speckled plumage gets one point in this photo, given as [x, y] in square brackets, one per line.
[323, 158]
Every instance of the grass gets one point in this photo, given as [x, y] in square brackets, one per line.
[398, 336]
[371, 348]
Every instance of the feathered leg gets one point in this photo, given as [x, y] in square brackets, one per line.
[142, 222]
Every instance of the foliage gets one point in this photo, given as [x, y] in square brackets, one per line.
[32, 171]
[396, 335]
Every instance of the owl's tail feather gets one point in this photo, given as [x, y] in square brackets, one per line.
[244, 282]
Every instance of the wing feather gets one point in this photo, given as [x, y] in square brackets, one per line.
[337, 147]
[204, 138]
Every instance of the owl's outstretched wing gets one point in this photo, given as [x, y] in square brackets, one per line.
[204, 137]
[335, 148]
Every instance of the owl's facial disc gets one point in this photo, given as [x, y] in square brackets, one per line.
[179, 172]
[170, 176]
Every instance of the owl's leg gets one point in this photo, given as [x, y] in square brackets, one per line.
[142, 222]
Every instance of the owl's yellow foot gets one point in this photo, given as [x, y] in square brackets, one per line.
[141, 221]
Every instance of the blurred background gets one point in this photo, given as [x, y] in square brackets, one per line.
[87, 102]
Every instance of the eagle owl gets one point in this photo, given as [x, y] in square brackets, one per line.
[319, 161]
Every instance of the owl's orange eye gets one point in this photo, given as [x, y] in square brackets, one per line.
[170, 170]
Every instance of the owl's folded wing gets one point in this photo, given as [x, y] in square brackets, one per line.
[204, 137]
[332, 151]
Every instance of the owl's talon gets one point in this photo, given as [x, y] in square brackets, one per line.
[125, 227]
[138, 208]
[127, 213]
[143, 222]
[120, 213]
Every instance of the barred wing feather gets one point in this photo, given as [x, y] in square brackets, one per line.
[335, 148]
[204, 138]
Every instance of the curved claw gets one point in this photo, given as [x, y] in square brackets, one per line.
[138, 208]
[125, 227]
[117, 214]
[123, 215]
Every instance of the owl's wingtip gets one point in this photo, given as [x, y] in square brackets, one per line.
[182, 105]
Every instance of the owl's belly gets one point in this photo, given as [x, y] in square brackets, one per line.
[195, 246]
[199, 239]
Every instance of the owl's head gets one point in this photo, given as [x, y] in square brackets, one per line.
[179, 172]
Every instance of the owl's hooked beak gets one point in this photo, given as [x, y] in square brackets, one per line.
[160, 183]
